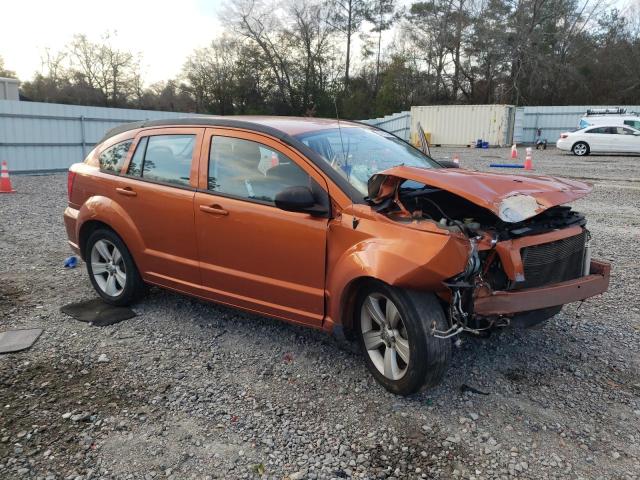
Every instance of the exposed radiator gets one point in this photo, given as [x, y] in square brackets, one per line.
[553, 262]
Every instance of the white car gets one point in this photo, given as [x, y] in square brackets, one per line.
[600, 139]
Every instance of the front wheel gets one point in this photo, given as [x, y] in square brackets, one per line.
[111, 268]
[580, 149]
[394, 329]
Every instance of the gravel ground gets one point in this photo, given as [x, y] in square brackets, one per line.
[189, 389]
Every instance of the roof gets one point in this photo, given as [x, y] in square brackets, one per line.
[273, 125]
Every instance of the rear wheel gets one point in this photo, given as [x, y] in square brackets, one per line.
[394, 328]
[580, 149]
[111, 268]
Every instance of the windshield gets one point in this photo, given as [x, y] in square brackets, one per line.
[358, 152]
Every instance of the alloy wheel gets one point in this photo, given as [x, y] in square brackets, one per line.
[107, 267]
[580, 149]
[385, 336]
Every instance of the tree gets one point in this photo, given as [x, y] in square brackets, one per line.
[347, 16]
[381, 14]
[4, 72]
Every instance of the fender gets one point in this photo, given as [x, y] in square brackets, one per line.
[417, 262]
[108, 211]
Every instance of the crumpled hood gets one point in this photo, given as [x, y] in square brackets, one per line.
[513, 198]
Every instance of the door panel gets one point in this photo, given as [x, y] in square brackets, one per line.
[253, 254]
[163, 212]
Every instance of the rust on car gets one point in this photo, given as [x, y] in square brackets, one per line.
[334, 225]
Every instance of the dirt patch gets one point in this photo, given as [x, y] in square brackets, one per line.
[11, 296]
[57, 408]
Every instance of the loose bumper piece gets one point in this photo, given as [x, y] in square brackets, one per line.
[515, 301]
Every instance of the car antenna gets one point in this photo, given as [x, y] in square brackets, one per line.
[346, 163]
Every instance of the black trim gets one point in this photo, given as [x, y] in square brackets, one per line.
[287, 139]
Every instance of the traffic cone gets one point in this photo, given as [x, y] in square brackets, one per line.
[456, 159]
[514, 152]
[528, 163]
[5, 182]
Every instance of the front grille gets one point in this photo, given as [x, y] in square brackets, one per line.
[553, 262]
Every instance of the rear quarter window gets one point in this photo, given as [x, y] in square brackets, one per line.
[112, 159]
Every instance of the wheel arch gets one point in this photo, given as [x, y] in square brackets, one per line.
[103, 212]
[581, 141]
[387, 262]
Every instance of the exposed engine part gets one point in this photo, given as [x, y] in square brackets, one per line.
[586, 262]
[484, 270]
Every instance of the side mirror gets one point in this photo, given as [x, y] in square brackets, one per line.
[448, 164]
[299, 199]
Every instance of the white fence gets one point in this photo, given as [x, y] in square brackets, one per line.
[49, 136]
[397, 123]
[552, 120]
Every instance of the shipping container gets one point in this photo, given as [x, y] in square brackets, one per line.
[462, 125]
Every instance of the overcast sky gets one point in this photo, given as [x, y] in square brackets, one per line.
[165, 32]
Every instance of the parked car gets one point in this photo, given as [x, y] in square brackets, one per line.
[333, 225]
[604, 139]
[618, 117]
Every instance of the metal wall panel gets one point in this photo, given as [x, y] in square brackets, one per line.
[49, 136]
[552, 120]
[397, 123]
[458, 125]
[9, 88]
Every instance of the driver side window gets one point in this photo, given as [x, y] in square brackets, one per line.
[251, 170]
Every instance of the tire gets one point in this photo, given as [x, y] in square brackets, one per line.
[580, 149]
[409, 336]
[112, 272]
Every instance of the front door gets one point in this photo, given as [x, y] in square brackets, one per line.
[627, 140]
[252, 254]
[156, 191]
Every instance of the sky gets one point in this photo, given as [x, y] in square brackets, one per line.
[165, 32]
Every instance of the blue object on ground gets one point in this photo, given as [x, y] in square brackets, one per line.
[485, 144]
[505, 165]
[71, 262]
[479, 143]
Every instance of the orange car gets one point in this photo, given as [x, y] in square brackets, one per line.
[333, 225]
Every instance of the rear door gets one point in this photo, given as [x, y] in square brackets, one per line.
[252, 254]
[598, 139]
[156, 190]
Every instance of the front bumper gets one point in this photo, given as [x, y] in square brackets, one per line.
[511, 302]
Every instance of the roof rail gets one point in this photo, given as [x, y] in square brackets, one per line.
[606, 111]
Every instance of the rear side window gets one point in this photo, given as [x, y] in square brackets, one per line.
[164, 158]
[603, 130]
[112, 159]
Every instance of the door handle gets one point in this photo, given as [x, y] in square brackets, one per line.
[215, 209]
[127, 191]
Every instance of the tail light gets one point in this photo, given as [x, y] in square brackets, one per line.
[564, 135]
[70, 178]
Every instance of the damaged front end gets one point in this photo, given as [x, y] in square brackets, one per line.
[527, 253]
